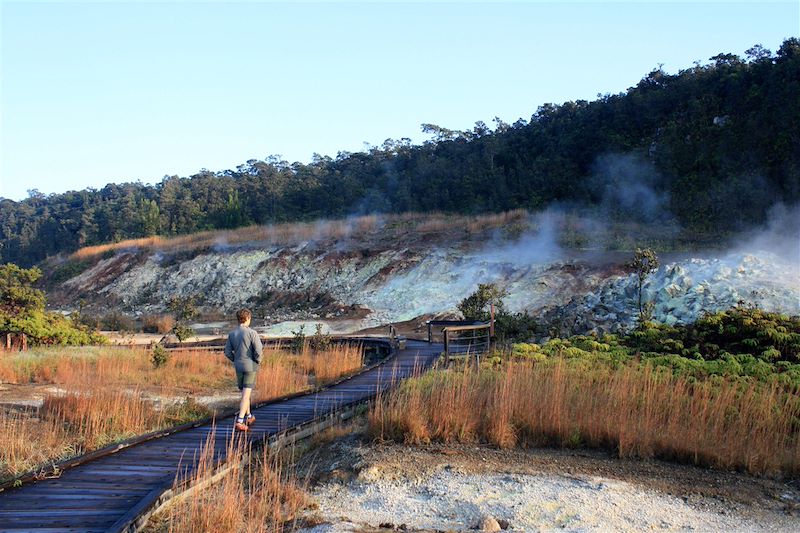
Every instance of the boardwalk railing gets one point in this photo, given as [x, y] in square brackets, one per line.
[463, 338]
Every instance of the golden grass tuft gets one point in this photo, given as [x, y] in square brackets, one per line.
[26, 445]
[71, 424]
[100, 415]
[637, 410]
[331, 364]
[256, 495]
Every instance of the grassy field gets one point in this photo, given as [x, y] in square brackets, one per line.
[105, 394]
[637, 409]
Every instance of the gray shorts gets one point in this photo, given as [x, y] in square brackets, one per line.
[245, 380]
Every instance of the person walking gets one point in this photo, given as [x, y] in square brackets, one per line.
[244, 349]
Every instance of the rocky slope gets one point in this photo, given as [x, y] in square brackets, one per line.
[375, 281]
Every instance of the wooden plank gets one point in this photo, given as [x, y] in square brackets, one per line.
[53, 496]
[97, 487]
[121, 468]
[78, 503]
[59, 519]
[51, 530]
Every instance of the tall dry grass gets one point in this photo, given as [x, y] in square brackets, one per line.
[391, 227]
[103, 401]
[189, 371]
[276, 378]
[277, 234]
[71, 424]
[158, 323]
[637, 410]
[26, 445]
[186, 371]
[255, 496]
[330, 364]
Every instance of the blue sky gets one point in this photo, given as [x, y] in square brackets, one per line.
[104, 92]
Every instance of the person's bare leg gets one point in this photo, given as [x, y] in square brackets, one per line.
[244, 404]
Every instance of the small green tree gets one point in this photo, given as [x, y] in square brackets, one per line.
[509, 327]
[22, 309]
[319, 342]
[476, 305]
[182, 332]
[159, 357]
[644, 263]
[298, 339]
[17, 296]
[184, 309]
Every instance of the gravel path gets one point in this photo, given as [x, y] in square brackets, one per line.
[451, 500]
[363, 487]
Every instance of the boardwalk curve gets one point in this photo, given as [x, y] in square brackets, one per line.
[113, 491]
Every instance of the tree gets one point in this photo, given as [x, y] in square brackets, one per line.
[702, 129]
[644, 263]
[17, 296]
[22, 309]
[184, 309]
[476, 305]
[150, 217]
[509, 327]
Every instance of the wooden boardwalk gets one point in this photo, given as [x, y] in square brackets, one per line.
[112, 491]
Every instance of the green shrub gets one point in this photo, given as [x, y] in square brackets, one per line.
[740, 330]
[319, 342]
[159, 357]
[68, 270]
[44, 328]
[298, 340]
[182, 332]
[527, 351]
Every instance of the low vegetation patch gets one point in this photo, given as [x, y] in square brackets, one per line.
[637, 409]
[257, 495]
[80, 416]
[724, 392]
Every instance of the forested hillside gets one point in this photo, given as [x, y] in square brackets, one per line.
[711, 148]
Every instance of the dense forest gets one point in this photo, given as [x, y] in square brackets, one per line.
[711, 148]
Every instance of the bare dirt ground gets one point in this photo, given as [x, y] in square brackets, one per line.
[361, 486]
[26, 397]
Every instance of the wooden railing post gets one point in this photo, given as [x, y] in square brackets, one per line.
[446, 346]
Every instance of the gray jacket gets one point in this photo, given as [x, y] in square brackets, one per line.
[244, 349]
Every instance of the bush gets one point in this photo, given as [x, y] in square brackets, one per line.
[68, 270]
[527, 351]
[319, 342]
[514, 327]
[182, 332]
[45, 328]
[159, 357]
[298, 340]
[739, 330]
